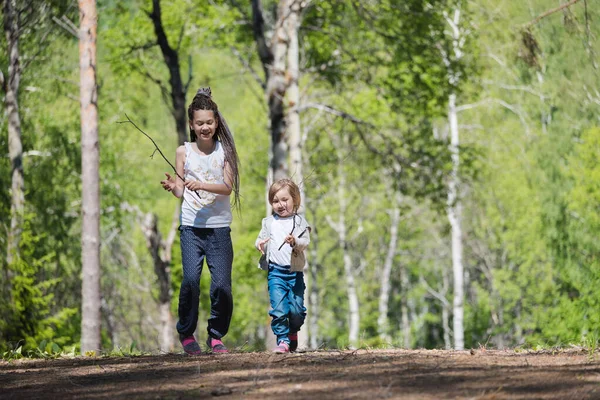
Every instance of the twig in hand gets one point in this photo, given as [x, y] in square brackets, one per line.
[157, 148]
[153, 142]
[299, 236]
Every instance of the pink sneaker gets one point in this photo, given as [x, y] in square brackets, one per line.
[216, 345]
[190, 346]
[281, 348]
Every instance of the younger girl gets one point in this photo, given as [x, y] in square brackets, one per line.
[282, 240]
[207, 172]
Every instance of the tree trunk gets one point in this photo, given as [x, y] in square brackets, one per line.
[404, 308]
[160, 250]
[384, 279]
[90, 164]
[276, 88]
[454, 204]
[293, 97]
[15, 146]
[280, 78]
[454, 216]
[294, 132]
[313, 291]
[446, 312]
[340, 226]
[171, 58]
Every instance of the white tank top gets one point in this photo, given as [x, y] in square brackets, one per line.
[203, 209]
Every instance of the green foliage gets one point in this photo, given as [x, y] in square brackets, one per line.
[529, 172]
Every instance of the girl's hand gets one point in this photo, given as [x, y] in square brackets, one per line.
[169, 183]
[261, 245]
[193, 185]
[291, 240]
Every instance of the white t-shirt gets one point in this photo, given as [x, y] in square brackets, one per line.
[203, 209]
[280, 228]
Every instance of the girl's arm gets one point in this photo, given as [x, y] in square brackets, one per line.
[217, 188]
[173, 183]
[262, 237]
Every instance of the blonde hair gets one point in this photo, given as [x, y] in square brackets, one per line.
[292, 188]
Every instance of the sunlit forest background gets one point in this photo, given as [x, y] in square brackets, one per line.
[449, 153]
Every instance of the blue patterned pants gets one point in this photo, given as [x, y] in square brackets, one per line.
[286, 294]
[215, 245]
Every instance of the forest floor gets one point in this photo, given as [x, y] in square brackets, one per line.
[363, 374]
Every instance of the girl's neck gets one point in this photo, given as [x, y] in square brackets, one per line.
[206, 147]
[286, 217]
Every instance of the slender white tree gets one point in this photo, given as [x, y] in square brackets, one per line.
[90, 166]
[454, 208]
[341, 228]
[384, 278]
[15, 146]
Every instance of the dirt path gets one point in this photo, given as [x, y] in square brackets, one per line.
[364, 374]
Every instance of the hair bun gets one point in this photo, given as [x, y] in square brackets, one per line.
[205, 91]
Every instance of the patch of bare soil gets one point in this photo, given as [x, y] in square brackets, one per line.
[363, 374]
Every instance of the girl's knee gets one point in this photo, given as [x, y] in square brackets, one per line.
[278, 314]
[222, 291]
[190, 284]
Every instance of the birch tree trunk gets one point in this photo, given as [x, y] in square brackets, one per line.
[404, 308]
[340, 227]
[313, 290]
[280, 61]
[455, 218]
[293, 97]
[384, 279]
[295, 137]
[446, 312]
[15, 146]
[90, 164]
[454, 205]
[276, 89]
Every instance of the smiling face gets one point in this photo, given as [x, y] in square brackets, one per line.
[204, 124]
[283, 203]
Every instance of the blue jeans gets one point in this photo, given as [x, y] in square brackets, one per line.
[286, 293]
[215, 245]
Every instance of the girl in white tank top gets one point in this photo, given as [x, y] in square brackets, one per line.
[206, 176]
[203, 209]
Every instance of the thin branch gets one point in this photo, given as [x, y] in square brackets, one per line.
[247, 65]
[335, 112]
[549, 12]
[334, 225]
[157, 149]
[588, 35]
[435, 293]
[190, 75]
[503, 104]
[180, 40]
[163, 89]
[140, 47]
[526, 89]
[153, 142]
[65, 26]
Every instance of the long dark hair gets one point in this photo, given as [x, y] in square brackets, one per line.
[203, 101]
